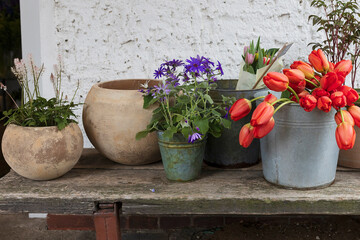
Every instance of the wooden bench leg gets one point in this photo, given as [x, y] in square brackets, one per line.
[107, 221]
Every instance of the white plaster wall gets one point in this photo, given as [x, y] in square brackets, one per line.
[103, 40]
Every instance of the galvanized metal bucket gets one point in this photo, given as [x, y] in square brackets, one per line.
[226, 151]
[182, 160]
[301, 151]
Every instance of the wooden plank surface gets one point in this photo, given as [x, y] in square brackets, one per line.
[217, 191]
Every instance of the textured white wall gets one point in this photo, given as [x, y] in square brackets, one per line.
[103, 40]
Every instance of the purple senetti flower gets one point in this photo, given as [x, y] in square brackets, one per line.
[160, 91]
[193, 137]
[218, 67]
[195, 65]
[159, 73]
[173, 63]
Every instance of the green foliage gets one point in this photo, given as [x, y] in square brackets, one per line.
[341, 26]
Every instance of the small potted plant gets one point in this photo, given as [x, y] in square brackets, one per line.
[42, 140]
[185, 115]
[301, 151]
[340, 24]
[222, 151]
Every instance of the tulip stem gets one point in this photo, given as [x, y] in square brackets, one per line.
[311, 82]
[293, 92]
[279, 100]
[342, 115]
[254, 99]
[283, 104]
[316, 80]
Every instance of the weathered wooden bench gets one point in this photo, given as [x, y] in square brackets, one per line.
[98, 190]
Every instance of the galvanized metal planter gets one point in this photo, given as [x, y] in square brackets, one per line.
[301, 151]
[226, 151]
[182, 160]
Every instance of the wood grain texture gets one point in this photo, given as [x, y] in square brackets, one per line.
[217, 191]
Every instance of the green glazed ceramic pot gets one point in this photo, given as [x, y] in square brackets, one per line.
[182, 160]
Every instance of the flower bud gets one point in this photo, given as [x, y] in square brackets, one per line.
[263, 130]
[355, 113]
[324, 104]
[347, 117]
[308, 103]
[304, 67]
[319, 61]
[246, 135]
[344, 66]
[338, 99]
[240, 109]
[262, 114]
[275, 81]
[345, 136]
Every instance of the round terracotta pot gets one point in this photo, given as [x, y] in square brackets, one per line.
[42, 153]
[112, 115]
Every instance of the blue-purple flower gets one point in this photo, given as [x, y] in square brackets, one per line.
[218, 67]
[159, 72]
[193, 137]
[195, 65]
[173, 64]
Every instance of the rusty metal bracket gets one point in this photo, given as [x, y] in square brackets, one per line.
[107, 221]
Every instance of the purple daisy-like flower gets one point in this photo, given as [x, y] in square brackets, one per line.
[173, 63]
[218, 67]
[195, 65]
[159, 72]
[193, 137]
[160, 91]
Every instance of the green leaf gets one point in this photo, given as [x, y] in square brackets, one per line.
[208, 98]
[148, 101]
[186, 131]
[168, 133]
[226, 123]
[285, 94]
[141, 134]
[203, 124]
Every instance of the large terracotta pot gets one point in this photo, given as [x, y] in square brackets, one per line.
[42, 153]
[113, 113]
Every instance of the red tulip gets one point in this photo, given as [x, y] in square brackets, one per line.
[350, 93]
[262, 114]
[295, 76]
[319, 92]
[308, 102]
[240, 109]
[331, 67]
[338, 99]
[246, 135]
[266, 60]
[275, 81]
[300, 95]
[298, 88]
[263, 130]
[270, 98]
[319, 61]
[345, 136]
[324, 104]
[304, 67]
[312, 86]
[355, 113]
[347, 117]
[344, 66]
[332, 81]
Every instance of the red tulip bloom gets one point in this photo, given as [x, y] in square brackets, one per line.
[355, 113]
[300, 95]
[331, 67]
[319, 61]
[324, 104]
[295, 76]
[344, 66]
[246, 135]
[308, 102]
[345, 136]
[298, 88]
[350, 93]
[263, 130]
[240, 109]
[319, 92]
[332, 81]
[275, 81]
[338, 99]
[347, 117]
[304, 67]
[270, 98]
[262, 114]
[312, 86]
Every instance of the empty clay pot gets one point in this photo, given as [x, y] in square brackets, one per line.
[42, 153]
[112, 115]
